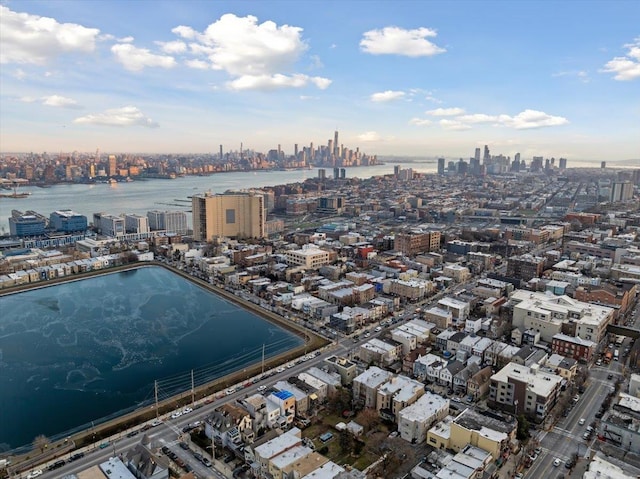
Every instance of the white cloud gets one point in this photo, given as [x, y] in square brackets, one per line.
[388, 95]
[277, 81]
[52, 100]
[173, 47]
[477, 118]
[369, 136]
[128, 39]
[582, 75]
[528, 119]
[453, 125]
[241, 46]
[316, 63]
[445, 112]
[197, 64]
[626, 67]
[256, 55]
[433, 99]
[60, 101]
[33, 39]
[125, 116]
[136, 59]
[420, 122]
[185, 32]
[398, 41]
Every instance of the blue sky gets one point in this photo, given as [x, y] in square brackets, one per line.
[416, 78]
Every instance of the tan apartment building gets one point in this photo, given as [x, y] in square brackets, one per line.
[231, 216]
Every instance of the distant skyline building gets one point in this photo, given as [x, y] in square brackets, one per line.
[228, 215]
[476, 156]
[136, 223]
[441, 163]
[621, 191]
[562, 163]
[112, 169]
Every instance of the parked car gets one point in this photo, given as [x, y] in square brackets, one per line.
[582, 421]
[35, 473]
[556, 462]
[76, 456]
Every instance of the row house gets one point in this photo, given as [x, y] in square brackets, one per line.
[422, 364]
[396, 394]
[573, 347]
[365, 386]
[380, 352]
[415, 420]
[478, 384]
[449, 372]
[441, 317]
[459, 309]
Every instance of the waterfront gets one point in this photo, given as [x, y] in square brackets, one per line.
[80, 351]
[141, 196]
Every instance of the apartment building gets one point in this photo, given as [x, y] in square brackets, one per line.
[228, 215]
[415, 420]
[524, 390]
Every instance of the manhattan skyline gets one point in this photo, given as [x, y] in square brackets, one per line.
[396, 78]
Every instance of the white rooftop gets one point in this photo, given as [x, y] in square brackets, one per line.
[541, 383]
[425, 408]
[281, 443]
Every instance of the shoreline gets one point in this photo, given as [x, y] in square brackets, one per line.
[210, 390]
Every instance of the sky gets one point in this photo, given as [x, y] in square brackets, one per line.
[405, 78]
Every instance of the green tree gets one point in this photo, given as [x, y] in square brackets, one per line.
[523, 427]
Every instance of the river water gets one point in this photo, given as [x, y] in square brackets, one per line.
[84, 350]
[138, 197]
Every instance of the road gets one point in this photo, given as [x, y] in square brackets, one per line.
[565, 439]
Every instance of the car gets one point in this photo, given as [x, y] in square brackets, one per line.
[280, 370]
[456, 399]
[76, 456]
[133, 433]
[586, 435]
[533, 457]
[378, 329]
[35, 473]
[176, 415]
[609, 376]
[184, 445]
[569, 464]
[230, 391]
[576, 398]
[56, 465]
[556, 462]
[394, 434]
[104, 445]
[367, 334]
[262, 388]
[538, 450]
[599, 362]
[206, 462]
[581, 422]
[156, 422]
[289, 366]
[518, 475]
[187, 410]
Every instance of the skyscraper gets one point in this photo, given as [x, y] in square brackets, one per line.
[562, 163]
[232, 216]
[336, 147]
[441, 166]
[487, 154]
[112, 165]
[477, 155]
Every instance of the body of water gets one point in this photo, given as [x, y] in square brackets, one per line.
[84, 350]
[138, 197]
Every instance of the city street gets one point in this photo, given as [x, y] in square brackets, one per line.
[566, 437]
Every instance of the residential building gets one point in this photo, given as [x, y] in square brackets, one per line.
[396, 394]
[309, 256]
[366, 385]
[415, 420]
[228, 215]
[522, 390]
[573, 347]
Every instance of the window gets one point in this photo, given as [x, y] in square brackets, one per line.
[230, 216]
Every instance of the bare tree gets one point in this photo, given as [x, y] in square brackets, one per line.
[41, 442]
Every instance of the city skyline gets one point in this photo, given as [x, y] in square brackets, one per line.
[395, 78]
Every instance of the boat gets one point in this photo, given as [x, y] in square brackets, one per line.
[15, 195]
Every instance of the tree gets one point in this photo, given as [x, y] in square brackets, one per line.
[41, 442]
[346, 441]
[523, 427]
